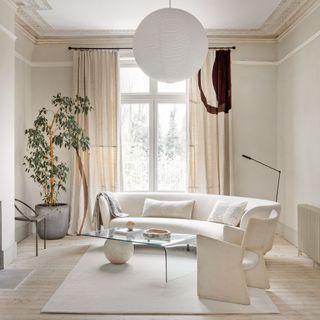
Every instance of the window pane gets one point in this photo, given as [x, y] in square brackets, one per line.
[176, 87]
[135, 146]
[133, 80]
[171, 153]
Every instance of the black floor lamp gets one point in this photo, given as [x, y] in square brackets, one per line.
[264, 164]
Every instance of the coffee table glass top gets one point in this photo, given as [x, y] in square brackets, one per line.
[138, 237]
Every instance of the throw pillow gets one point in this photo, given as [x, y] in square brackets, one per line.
[168, 209]
[227, 213]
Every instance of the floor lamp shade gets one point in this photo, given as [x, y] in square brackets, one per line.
[170, 45]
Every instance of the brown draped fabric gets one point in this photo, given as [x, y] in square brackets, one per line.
[221, 80]
[210, 161]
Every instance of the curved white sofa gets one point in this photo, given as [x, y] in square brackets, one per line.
[133, 202]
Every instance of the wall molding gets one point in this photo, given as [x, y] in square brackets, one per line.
[127, 41]
[44, 64]
[299, 48]
[56, 64]
[254, 63]
[23, 59]
[69, 64]
[7, 32]
[52, 64]
[286, 57]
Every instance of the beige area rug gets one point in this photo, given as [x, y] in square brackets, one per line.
[95, 286]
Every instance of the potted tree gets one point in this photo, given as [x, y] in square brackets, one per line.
[55, 128]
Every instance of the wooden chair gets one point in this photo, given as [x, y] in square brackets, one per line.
[31, 216]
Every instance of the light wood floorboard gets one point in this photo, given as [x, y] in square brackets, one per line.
[295, 283]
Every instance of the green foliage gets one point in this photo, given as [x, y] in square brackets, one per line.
[55, 128]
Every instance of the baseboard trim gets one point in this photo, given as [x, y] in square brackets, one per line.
[287, 233]
[23, 231]
[8, 255]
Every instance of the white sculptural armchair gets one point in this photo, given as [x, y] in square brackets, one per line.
[226, 268]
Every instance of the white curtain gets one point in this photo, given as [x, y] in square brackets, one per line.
[95, 75]
[210, 161]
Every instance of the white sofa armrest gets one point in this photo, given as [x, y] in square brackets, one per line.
[233, 234]
[104, 212]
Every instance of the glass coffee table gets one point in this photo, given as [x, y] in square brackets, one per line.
[119, 248]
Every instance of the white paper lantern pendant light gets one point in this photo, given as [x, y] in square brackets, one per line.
[170, 45]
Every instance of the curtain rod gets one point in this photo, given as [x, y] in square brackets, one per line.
[87, 48]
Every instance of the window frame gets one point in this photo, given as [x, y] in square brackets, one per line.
[153, 98]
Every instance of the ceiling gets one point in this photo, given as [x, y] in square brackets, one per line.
[76, 18]
[126, 14]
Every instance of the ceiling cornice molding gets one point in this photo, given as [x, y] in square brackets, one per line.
[25, 32]
[127, 41]
[11, 4]
[128, 54]
[125, 38]
[288, 13]
[257, 33]
[294, 24]
[29, 17]
[228, 40]
[291, 15]
[89, 41]
[283, 13]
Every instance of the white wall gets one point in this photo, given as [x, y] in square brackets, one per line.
[254, 76]
[46, 82]
[23, 90]
[276, 112]
[254, 129]
[40, 74]
[298, 112]
[254, 87]
[7, 74]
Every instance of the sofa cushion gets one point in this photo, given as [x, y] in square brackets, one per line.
[214, 230]
[227, 213]
[168, 209]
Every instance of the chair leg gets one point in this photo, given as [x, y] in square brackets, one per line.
[45, 233]
[36, 239]
[257, 277]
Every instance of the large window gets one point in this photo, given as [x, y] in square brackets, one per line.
[153, 132]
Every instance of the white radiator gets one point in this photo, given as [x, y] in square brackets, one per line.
[309, 231]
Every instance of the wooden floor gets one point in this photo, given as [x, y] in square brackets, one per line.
[295, 283]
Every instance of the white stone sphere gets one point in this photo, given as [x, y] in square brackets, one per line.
[170, 45]
[118, 252]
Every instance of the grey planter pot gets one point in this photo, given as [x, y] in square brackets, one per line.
[57, 220]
